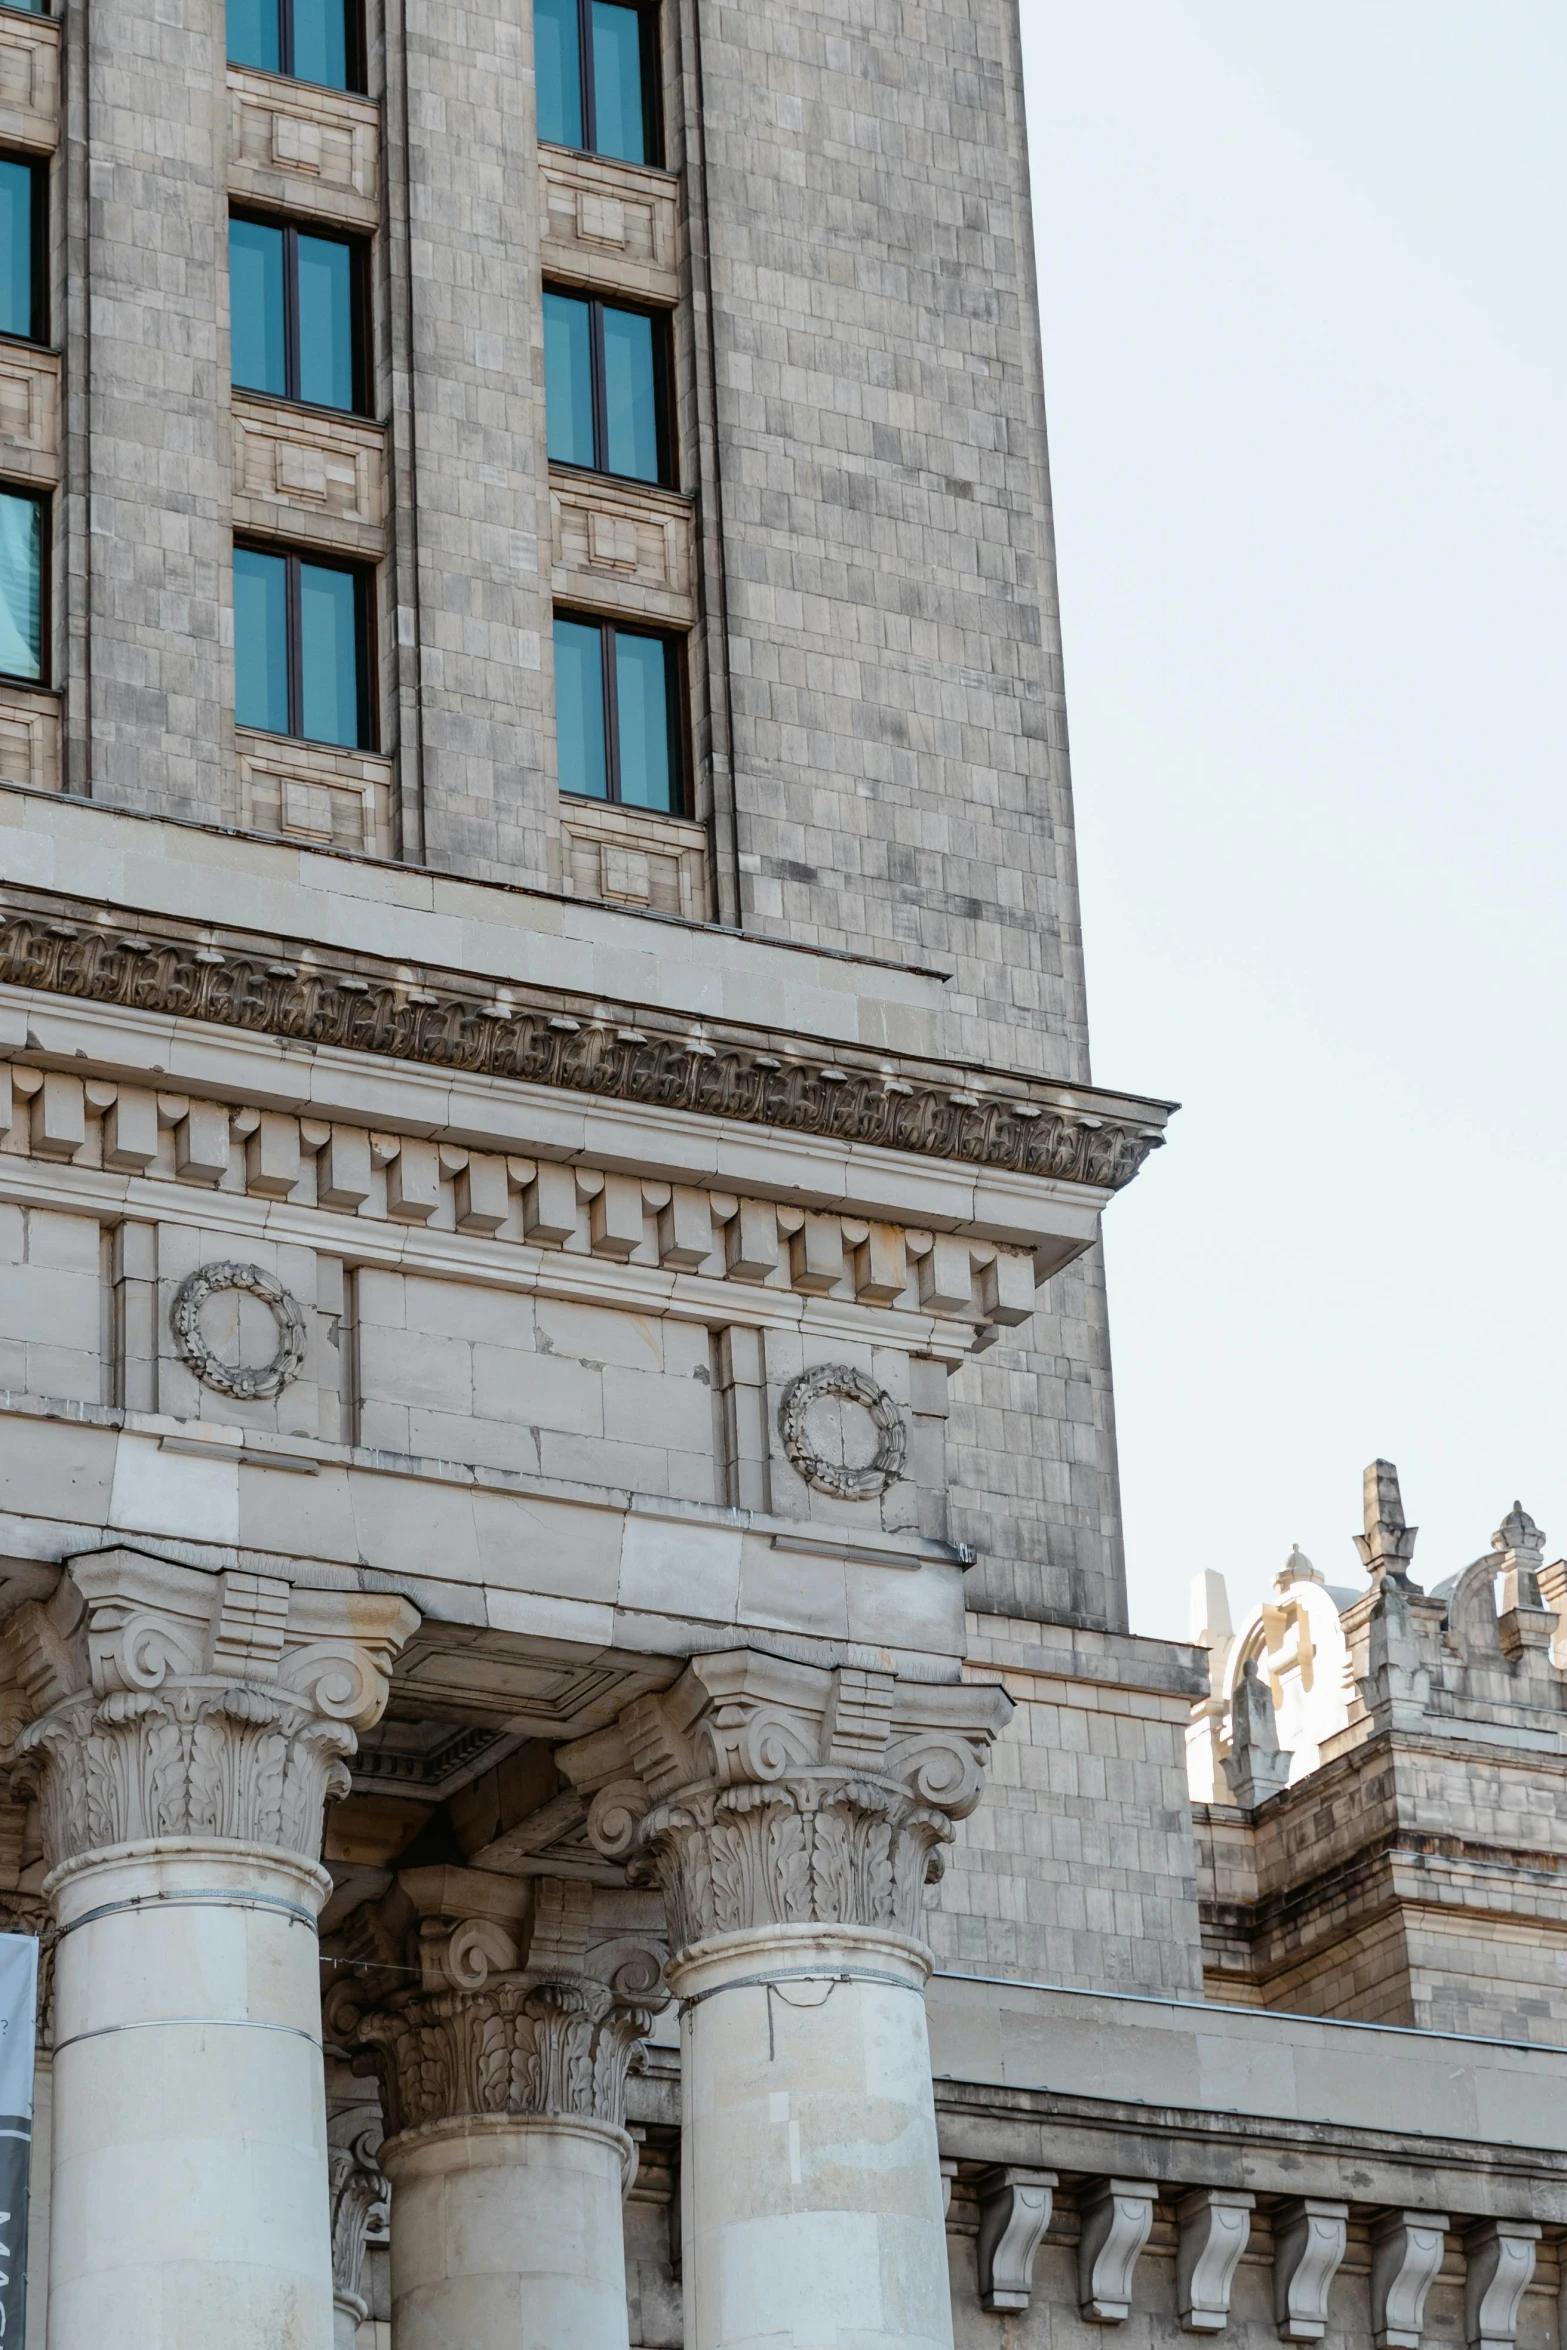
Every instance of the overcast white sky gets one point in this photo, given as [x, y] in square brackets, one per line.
[1303, 275]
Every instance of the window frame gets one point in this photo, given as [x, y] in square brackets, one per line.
[609, 627]
[37, 168]
[359, 310]
[663, 386]
[354, 46]
[652, 86]
[363, 577]
[42, 683]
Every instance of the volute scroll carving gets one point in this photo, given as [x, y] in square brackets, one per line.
[531, 2005]
[759, 1792]
[166, 1701]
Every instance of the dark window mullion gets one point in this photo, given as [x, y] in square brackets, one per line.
[39, 322]
[285, 35]
[611, 717]
[295, 631]
[362, 650]
[600, 389]
[589, 107]
[291, 314]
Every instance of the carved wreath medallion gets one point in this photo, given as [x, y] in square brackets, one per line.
[846, 1480]
[238, 1379]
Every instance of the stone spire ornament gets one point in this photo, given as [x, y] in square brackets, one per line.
[1257, 1767]
[1388, 1544]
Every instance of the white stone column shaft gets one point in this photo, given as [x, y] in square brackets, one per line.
[507, 2234]
[187, 1731]
[503, 2087]
[189, 2165]
[792, 1817]
[811, 2187]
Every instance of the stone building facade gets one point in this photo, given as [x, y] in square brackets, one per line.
[571, 1736]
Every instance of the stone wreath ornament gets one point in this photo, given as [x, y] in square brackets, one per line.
[236, 1379]
[844, 1481]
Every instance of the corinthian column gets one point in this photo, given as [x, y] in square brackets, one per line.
[188, 1729]
[792, 1818]
[503, 2085]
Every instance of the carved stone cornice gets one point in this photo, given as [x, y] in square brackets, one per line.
[759, 1793]
[624, 1052]
[170, 1702]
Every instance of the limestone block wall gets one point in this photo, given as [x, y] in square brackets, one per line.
[1079, 1866]
[857, 550]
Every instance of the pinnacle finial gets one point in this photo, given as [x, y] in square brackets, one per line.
[1388, 1544]
[1519, 1533]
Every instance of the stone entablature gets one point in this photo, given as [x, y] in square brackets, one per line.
[412, 1185]
[626, 1053]
[29, 81]
[303, 147]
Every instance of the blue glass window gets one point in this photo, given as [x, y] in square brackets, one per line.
[258, 342]
[261, 640]
[301, 660]
[557, 69]
[579, 709]
[606, 376]
[596, 68]
[617, 714]
[568, 379]
[296, 313]
[23, 197]
[310, 40]
[21, 586]
[622, 82]
[329, 663]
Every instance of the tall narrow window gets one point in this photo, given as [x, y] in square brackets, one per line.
[21, 586]
[596, 68]
[617, 714]
[297, 314]
[310, 40]
[23, 249]
[606, 387]
[301, 648]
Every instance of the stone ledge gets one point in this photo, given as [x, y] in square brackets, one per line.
[306, 148]
[29, 412]
[29, 81]
[281, 988]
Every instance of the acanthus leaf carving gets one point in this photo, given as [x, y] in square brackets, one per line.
[797, 1807]
[520, 2046]
[153, 1747]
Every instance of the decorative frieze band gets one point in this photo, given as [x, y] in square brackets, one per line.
[625, 1053]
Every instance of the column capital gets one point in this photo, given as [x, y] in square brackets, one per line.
[530, 2003]
[761, 1792]
[166, 1701]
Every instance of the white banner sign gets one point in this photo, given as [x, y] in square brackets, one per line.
[18, 2009]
